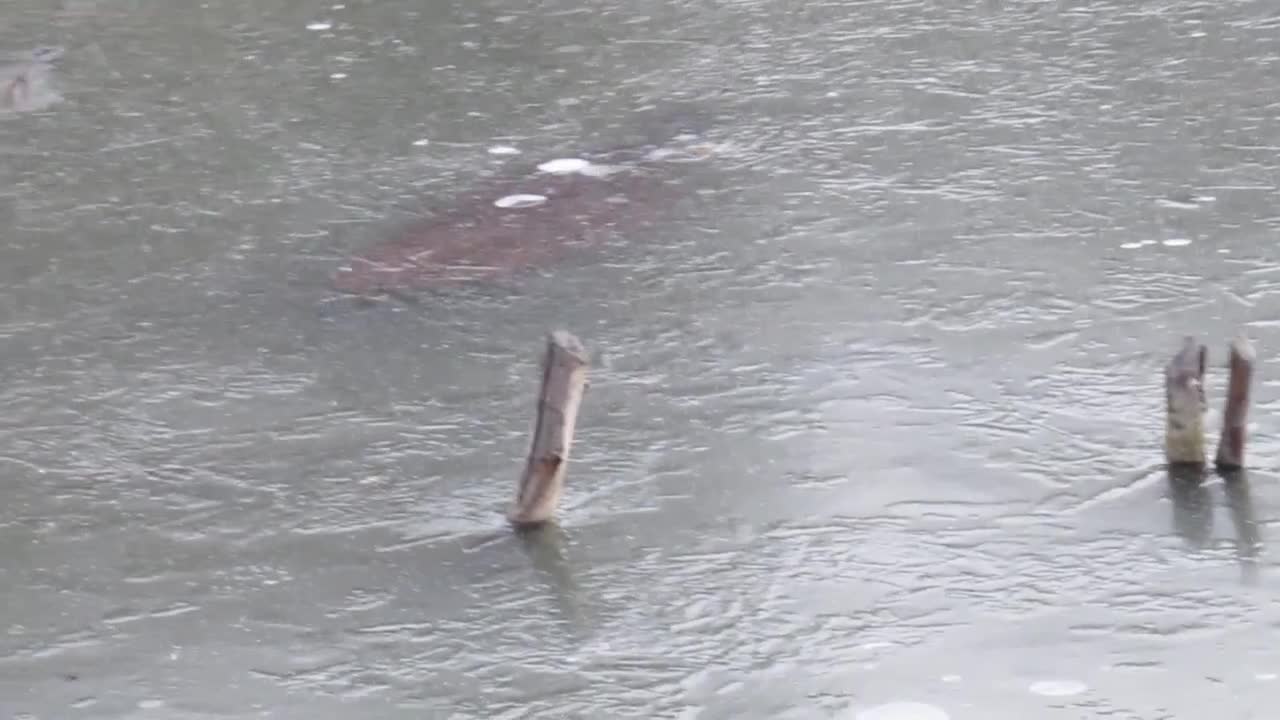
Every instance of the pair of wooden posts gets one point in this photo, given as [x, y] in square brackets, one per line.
[1184, 442]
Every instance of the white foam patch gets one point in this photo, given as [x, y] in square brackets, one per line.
[903, 711]
[321, 25]
[520, 200]
[503, 150]
[1177, 242]
[423, 142]
[564, 166]
[1058, 688]
[1137, 244]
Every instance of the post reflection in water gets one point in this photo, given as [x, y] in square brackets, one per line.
[1193, 510]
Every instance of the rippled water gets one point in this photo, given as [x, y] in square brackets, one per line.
[875, 414]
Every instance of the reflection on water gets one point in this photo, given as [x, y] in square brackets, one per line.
[1195, 505]
[875, 422]
[1192, 505]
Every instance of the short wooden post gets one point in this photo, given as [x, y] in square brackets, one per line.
[1235, 415]
[564, 379]
[1185, 405]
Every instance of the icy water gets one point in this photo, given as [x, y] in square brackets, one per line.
[875, 415]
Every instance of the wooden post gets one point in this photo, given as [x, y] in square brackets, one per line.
[1185, 405]
[564, 379]
[1235, 416]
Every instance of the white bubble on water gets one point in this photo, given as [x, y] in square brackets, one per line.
[503, 150]
[1177, 242]
[320, 25]
[562, 166]
[903, 711]
[1058, 688]
[520, 200]
[337, 75]
[422, 142]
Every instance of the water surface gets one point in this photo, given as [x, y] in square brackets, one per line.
[875, 414]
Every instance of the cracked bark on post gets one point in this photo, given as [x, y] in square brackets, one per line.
[1185, 405]
[564, 379]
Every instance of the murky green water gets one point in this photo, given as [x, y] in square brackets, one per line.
[876, 409]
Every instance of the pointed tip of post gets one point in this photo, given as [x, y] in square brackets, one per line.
[568, 342]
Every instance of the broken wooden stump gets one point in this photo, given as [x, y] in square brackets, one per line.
[1235, 415]
[1185, 405]
[564, 379]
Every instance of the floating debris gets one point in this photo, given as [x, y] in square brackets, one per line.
[28, 84]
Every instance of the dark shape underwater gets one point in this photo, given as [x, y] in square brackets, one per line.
[478, 239]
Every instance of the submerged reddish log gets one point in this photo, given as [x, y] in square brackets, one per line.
[1235, 416]
[518, 223]
[564, 379]
[1185, 405]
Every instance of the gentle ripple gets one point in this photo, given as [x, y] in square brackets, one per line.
[875, 412]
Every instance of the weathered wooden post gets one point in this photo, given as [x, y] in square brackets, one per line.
[1235, 415]
[564, 379]
[1185, 405]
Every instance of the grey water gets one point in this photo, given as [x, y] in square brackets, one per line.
[875, 410]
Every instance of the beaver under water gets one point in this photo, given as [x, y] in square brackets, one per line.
[541, 213]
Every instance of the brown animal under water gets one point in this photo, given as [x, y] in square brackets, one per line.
[479, 239]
